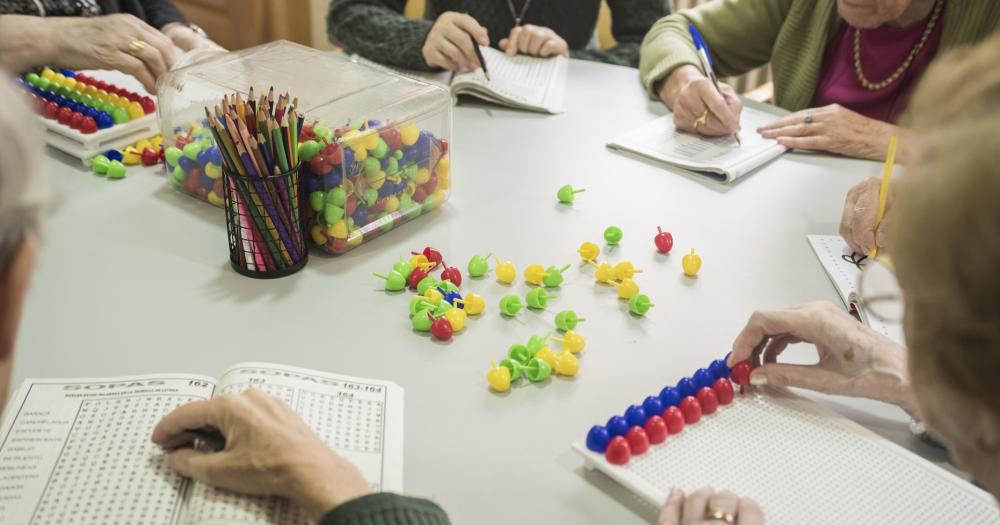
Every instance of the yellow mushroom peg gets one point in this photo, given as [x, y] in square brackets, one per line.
[589, 251]
[571, 341]
[505, 271]
[473, 303]
[691, 263]
[534, 274]
[627, 289]
[566, 364]
[605, 273]
[498, 377]
[625, 270]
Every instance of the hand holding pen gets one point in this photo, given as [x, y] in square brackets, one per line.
[452, 42]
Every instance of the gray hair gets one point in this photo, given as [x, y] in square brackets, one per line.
[23, 186]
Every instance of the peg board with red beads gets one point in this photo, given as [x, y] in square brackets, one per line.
[801, 462]
[85, 115]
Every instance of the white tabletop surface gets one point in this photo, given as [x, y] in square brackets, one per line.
[134, 278]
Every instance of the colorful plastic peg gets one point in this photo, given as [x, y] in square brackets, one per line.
[674, 419]
[537, 298]
[442, 308]
[546, 354]
[567, 194]
[434, 296]
[431, 255]
[691, 264]
[457, 317]
[419, 260]
[663, 241]
[419, 302]
[566, 364]
[656, 429]
[627, 289]
[638, 441]
[741, 374]
[519, 353]
[498, 377]
[427, 282]
[618, 451]
[505, 271]
[604, 273]
[513, 367]
[394, 282]
[403, 267]
[708, 400]
[534, 274]
[418, 274]
[598, 438]
[453, 274]
[589, 251]
[571, 341]
[639, 304]
[536, 343]
[691, 409]
[422, 320]
[723, 390]
[510, 305]
[625, 270]
[473, 304]
[566, 320]
[613, 235]
[441, 328]
[537, 370]
[554, 276]
[479, 265]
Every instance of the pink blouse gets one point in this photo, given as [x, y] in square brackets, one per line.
[883, 50]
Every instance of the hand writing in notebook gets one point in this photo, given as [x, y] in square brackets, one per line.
[448, 44]
[690, 94]
[269, 451]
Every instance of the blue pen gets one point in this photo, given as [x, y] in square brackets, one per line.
[706, 62]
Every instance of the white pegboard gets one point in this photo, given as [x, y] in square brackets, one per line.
[803, 464]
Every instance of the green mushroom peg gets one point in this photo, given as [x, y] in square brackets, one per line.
[510, 305]
[554, 276]
[537, 370]
[448, 286]
[537, 298]
[403, 267]
[640, 304]
[394, 282]
[536, 343]
[479, 265]
[567, 194]
[422, 320]
[519, 353]
[613, 235]
[99, 163]
[425, 283]
[566, 320]
[513, 367]
[419, 302]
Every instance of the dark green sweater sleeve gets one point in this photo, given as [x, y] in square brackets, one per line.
[386, 509]
[630, 21]
[377, 30]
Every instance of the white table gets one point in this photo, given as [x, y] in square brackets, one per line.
[134, 278]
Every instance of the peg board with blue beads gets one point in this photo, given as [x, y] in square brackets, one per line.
[802, 463]
[84, 115]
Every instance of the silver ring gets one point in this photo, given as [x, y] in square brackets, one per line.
[808, 119]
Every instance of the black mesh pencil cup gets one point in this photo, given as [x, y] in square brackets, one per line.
[263, 223]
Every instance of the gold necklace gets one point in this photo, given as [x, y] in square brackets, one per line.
[875, 86]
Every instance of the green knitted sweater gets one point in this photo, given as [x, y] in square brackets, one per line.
[790, 34]
[386, 509]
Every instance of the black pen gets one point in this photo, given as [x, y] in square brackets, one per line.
[203, 439]
[479, 54]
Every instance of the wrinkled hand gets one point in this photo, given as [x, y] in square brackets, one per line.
[535, 41]
[448, 44]
[857, 223]
[185, 38]
[269, 451]
[102, 42]
[690, 94]
[854, 360]
[834, 129]
[697, 508]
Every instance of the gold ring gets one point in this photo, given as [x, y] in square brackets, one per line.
[135, 47]
[720, 515]
[702, 120]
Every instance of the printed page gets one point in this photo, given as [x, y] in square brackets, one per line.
[660, 140]
[78, 450]
[844, 268]
[524, 81]
[362, 419]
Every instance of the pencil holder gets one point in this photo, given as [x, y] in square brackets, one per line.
[263, 224]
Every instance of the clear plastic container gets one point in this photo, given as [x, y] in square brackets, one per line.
[374, 146]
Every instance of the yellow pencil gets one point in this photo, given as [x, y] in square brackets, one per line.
[883, 191]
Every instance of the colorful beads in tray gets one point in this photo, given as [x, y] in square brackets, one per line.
[366, 177]
[82, 102]
[194, 163]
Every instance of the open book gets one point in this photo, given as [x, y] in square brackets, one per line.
[719, 158]
[79, 450]
[844, 269]
[520, 82]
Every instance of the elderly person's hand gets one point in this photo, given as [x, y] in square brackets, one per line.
[857, 223]
[186, 38]
[705, 506]
[697, 105]
[834, 129]
[448, 44]
[854, 360]
[535, 41]
[269, 451]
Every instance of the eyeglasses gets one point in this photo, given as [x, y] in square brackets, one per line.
[879, 291]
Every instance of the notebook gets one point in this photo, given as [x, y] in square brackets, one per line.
[844, 268]
[719, 158]
[802, 464]
[79, 450]
[520, 82]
